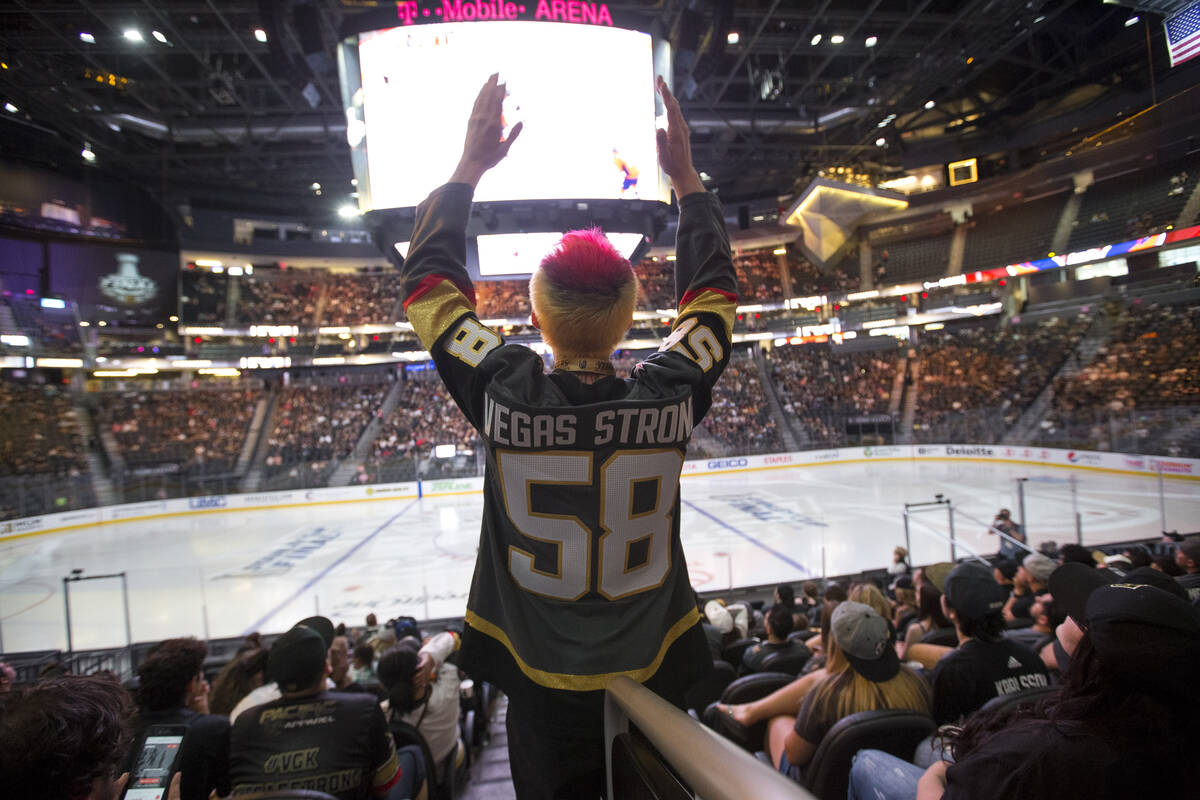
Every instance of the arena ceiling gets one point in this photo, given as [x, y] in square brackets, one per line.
[775, 90]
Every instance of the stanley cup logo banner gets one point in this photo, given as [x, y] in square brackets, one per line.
[127, 286]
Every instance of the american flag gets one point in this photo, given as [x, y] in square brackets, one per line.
[1183, 34]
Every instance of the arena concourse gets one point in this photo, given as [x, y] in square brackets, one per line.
[965, 372]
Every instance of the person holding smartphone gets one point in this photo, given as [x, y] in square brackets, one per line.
[172, 692]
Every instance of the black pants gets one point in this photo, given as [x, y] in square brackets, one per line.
[549, 766]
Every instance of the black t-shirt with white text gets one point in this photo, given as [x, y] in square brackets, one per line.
[977, 671]
[328, 742]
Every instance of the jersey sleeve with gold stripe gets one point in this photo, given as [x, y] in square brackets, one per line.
[706, 284]
[439, 300]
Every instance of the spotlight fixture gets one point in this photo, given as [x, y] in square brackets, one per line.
[10, 108]
[880, 142]
[87, 153]
[816, 40]
[159, 37]
[837, 38]
[929, 104]
[871, 41]
[84, 36]
[132, 34]
[1129, 23]
[260, 35]
[733, 37]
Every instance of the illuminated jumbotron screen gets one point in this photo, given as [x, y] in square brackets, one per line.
[520, 253]
[585, 94]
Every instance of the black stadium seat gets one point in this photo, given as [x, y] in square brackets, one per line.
[893, 731]
[946, 637]
[733, 651]
[744, 690]
[791, 663]
[1018, 698]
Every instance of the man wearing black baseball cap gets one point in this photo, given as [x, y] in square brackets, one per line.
[1072, 584]
[985, 664]
[312, 738]
[270, 689]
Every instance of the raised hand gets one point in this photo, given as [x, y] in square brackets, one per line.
[485, 145]
[674, 146]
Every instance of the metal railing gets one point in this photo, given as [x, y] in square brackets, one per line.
[713, 768]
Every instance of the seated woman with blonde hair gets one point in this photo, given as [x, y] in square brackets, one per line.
[863, 674]
[787, 699]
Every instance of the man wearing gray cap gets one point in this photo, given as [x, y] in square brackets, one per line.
[1029, 582]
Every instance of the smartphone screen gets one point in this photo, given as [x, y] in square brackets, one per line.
[156, 764]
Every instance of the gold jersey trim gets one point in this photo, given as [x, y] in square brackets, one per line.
[712, 303]
[583, 683]
[434, 312]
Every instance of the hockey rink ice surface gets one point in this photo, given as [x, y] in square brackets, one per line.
[226, 574]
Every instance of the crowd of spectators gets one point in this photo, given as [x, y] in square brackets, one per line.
[316, 424]
[740, 418]
[201, 430]
[1152, 359]
[361, 299]
[656, 281]
[975, 381]
[807, 280]
[1123, 397]
[282, 300]
[502, 299]
[424, 417]
[822, 390]
[39, 433]
[386, 722]
[1026, 704]
[43, 459]
[758, 276]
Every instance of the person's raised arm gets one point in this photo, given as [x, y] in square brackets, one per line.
[435, 271]
[675, 147]
[703, 260]
[485, 146]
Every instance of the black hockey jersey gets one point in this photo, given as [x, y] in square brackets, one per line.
[580, 575]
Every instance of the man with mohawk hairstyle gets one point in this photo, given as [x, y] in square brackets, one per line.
[581, 576]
